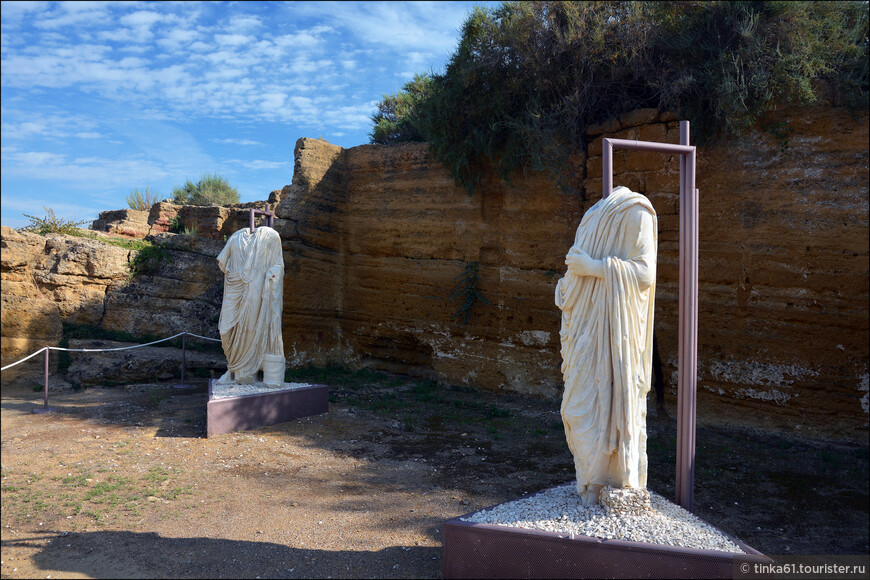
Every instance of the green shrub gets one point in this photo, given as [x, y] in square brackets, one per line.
[394, 119]
[528, 78]
[176, 226]
[148, 259]
[143, 200]
[51, 224]
[211, 189]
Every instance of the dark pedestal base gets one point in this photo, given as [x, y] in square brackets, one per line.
[473, 550]
[252, 411]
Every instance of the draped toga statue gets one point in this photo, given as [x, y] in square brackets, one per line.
[250, 321]
[606, 299]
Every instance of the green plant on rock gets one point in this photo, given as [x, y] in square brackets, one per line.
[211, 189]
[148, 259]
[176, 226]
[51, 224]
[466, 292]
[143, 200]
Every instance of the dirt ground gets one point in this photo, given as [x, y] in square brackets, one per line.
[122, 483]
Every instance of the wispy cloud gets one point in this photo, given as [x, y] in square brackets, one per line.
[237, 141]
[101, 97]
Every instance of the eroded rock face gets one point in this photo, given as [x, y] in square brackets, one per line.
[140, 364]
[783, 272]
[48, 278]
[183, 293]
[376, 238]
[123, 222]
[54, 278]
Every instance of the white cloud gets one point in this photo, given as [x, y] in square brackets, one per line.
[237, 141]
[232, 39]
[67, 14]
[178, 37]
[259, 164]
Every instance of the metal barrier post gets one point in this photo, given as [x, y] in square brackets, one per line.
[45, 408]
[183, 385]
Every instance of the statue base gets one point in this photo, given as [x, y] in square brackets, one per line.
[233, 407]
[479, 550]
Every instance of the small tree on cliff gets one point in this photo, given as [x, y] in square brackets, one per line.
[396, 117]
[527, 78]
[211, 189]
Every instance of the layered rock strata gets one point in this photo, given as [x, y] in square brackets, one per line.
[378, 238]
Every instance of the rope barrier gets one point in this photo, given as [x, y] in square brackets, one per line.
[47, 350]
[24, 359]
[105, 349]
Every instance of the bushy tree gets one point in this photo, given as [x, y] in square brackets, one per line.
[527, 78]
[395, 119]
[211, 189]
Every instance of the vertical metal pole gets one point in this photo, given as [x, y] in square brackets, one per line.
[251, 220]
[45, 391]
[45, 408]
[183, 351]
[268, 217]
[606, 168]
[688, 327]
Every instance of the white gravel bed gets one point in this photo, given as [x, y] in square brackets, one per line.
[559, 510]
[228, 391]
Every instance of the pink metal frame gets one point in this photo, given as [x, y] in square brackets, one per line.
[687, 362]
[269, 217]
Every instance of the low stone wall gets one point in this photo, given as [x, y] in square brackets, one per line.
[209, 221]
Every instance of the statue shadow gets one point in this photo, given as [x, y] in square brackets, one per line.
[121, 554]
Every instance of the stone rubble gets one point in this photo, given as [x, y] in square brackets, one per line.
[559, 510]
[624, 502]
[223, 391]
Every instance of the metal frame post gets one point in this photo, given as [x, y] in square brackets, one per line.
[687, 358]
[269, 217]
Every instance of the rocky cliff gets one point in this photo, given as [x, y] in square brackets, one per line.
[51, 279]
[385, 256]
[377, 240]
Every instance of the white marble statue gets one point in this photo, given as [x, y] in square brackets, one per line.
[606, 299]
[250, 322]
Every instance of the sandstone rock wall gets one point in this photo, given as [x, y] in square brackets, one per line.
[54, 278]
[377, 237]
[783, 242]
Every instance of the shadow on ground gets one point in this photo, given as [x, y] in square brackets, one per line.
[149, 555]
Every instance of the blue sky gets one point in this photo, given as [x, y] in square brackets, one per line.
[99, 98]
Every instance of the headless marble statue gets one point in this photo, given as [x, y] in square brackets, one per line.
[606, 299]
[250, 321]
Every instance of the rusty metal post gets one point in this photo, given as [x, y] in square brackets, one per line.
[45, 408]
[687, 361]
[183, 385]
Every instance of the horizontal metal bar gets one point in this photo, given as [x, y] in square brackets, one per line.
[633, 144]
